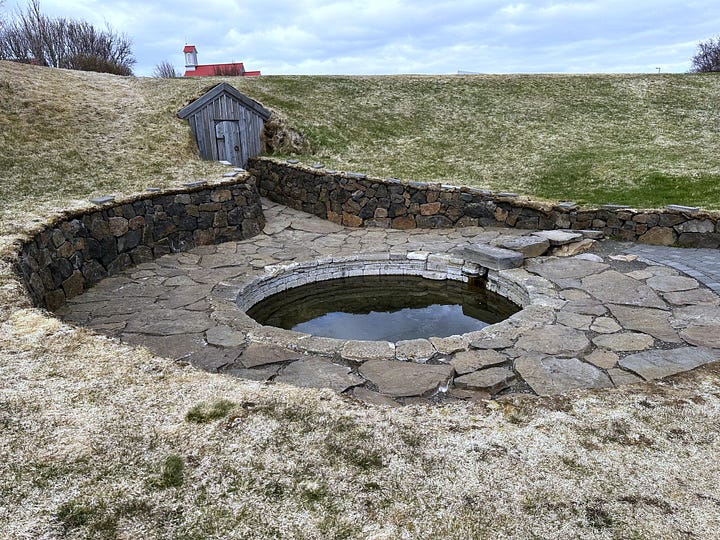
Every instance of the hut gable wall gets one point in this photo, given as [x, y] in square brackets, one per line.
[226, 125]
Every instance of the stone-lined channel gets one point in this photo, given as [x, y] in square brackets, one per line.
[589, 321]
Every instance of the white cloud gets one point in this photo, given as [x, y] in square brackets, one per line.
[401, 36]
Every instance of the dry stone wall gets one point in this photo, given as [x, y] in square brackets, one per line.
[79, 249]
[357, 200]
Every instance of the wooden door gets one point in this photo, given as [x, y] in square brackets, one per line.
[227, 140]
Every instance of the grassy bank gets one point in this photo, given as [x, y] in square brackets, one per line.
[643, 140]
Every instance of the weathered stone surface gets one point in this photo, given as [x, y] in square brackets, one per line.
[368, 350]
[316, 372]
[623, 342]
[469, 361]
[574, 248]
[263, 373]
[257, 354]
[73, 285]
[182, 322]
[474, 396]
[556, 340]
[657, 364]
[696, 226]
[491, 380]
[529, 246]
[672, 283]
[588, 306]
[493, 340]
[605, 325]
[173, 347]
[697, 296]
[647, 320]
[224, 336]
[696, 315]
[702, 335]
[213, 358]
[602, 358]
[491, 257]
[414, 350]
[449, 344]
[658, 236]
[613, 287]
[404, 379]
[315, 226]
[559, 238]
[589, 257]
[373, 398]
[621, 377]
[574, 320]
[564, 272]
[549, 375]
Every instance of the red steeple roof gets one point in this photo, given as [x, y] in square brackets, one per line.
[189, 48]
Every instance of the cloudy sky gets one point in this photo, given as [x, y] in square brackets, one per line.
[404, 36]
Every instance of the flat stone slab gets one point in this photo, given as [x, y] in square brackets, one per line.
[672, 283]
[368, 350]
[414, 350]
[620, 377]
[565, 272]
[257, 354]
[185, 322]
[450, 344]
[316, 372]
[491, 257]
[405, 379]
[559, 238]
[472, 360]
[373, 398]
[530, 246]
[224, 336]
[549, 375]
[262, 373]
[602, 358]
[655, 322]
[605, 325]
[613, 287]
[491, 380]
[624, 342]
[702, 336]
[554, 340]
[657, 364]
[696, 296]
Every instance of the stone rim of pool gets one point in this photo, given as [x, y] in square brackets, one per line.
[242, 295]
[384, 307]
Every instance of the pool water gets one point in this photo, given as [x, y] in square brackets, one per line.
[383, 308]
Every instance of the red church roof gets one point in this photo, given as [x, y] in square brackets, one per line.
[210, 70]
[235, 69]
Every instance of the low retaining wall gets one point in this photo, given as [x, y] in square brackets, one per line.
[357, 200]
[80, 248]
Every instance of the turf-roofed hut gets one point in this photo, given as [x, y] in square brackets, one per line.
[226, 124]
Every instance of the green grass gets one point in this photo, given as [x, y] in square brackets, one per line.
[203, 413]
[642, 140]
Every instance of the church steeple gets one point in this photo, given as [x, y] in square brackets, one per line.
[191, 61]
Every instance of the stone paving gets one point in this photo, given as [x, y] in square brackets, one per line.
[590, 320]
[702, 264]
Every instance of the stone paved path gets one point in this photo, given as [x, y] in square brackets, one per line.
[594, 320]
[702, 264]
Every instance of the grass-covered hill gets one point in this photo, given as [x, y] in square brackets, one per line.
[644, 140]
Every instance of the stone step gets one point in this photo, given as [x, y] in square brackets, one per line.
[492, 257]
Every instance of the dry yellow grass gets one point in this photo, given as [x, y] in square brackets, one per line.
[95, 441]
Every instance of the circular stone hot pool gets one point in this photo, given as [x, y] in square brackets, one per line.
[384, 307]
